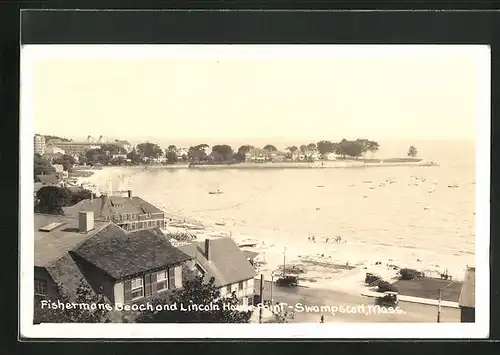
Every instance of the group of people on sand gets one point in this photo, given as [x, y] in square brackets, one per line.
[337, 239]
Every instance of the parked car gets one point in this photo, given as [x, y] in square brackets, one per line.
[390, 299]
[290, 281]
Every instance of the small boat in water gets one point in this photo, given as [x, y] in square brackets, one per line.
[320, 185]
[220, 223]
[216, 192]
[453, 186]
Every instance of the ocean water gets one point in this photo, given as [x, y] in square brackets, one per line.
[402, 213]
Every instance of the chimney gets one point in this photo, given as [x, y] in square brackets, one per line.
[85, 221]
[129, 193]
[208, 251]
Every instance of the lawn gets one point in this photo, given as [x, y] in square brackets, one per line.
[428, 288]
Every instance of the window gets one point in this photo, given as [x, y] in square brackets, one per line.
[228, 289]
[40, 287]
[200, 270]
[240, 285]
[171, 278]
[133, 289]
[161, 281]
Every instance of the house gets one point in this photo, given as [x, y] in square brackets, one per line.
[123, 144]
[222, 259]
[250, 255]
[467, 300]
[125, 267]
[39, 144]
[50, 179]
[75, 148]
[130, 213]
[50, 148]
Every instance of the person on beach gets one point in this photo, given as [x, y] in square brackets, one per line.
[314, 239]
[309, 238]
[322, 319]
[326, 240]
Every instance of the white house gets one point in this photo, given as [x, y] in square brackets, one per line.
[223, 260]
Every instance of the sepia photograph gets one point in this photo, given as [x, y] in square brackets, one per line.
[343, 190]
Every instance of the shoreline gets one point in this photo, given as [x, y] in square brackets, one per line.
[276, 165]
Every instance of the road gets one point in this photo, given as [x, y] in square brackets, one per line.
[357, 308]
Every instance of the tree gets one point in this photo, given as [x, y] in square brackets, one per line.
[171, 156]
[49, 137]
[93, 307]
[242, 151]
[312, 147]
[51, 199]
[270, 148]
[113, 149]
[42, 166]
[222, 152]
[303, 148]
[195, 292]
[325, 147]
[67, 161]
[198, 153]
[82, 159]
[373, 146]
[134, 156]
[412, 151]
[172, 148]
[149, 150]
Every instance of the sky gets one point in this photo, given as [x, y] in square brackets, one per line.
[174, 99]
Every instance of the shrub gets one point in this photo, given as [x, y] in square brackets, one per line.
[371, 278]
[384, 286]
[410, 274]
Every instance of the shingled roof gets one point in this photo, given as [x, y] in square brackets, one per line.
[63, 236]
[467, 294]
[48, 179]
[228, 264]
[108, 206]
[121, 254]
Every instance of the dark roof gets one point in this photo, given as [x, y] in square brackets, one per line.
[48, 179]
[121, 254]
[52, 245]
[66, 273]
[110, 205]
[467, 295]
[250, 254]
[228, 264]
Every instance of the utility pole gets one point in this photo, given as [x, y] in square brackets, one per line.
[272, 283]
[261, 294]
[284, 264]
[439, 308]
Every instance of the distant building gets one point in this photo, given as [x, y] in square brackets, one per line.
[51, 148]
[76, 148]
[39, 144]
[222, 259]
[123, 144]
[182, 153]
[467, 301]
[50, 179]
[124, 267]
[130, 213]
[259, 155]
[59, 168]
